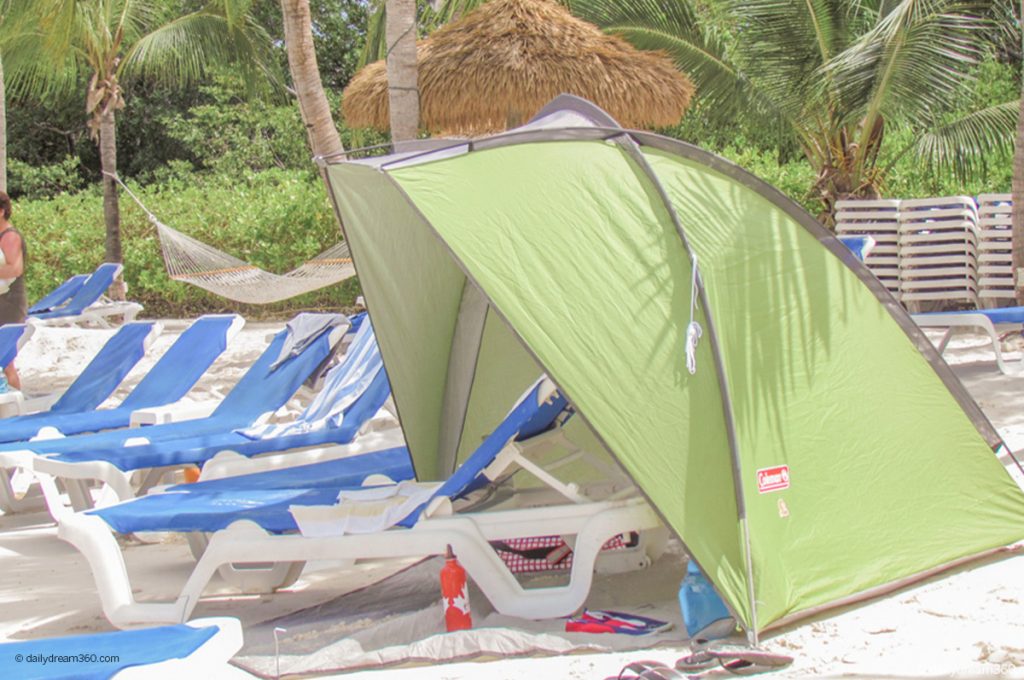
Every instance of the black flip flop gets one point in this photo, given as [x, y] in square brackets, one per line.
[649, 670]
[741, 660]
[697, 662]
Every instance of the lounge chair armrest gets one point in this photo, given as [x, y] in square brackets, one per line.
[184, 409]
[31, 404]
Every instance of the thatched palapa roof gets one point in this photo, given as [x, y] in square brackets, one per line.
[501, 63]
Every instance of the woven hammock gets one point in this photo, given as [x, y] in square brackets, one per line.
[195, 262]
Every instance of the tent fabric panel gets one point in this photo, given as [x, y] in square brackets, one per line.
[831, 243]
[610, 334]
[888, 477]
[469, 330]
[504, 370]
[413, 291]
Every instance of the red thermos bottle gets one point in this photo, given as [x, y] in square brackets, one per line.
[454, 594]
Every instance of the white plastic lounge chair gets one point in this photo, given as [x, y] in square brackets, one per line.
[983, 320]
[862, 246]
[879, 220]
[421, 524]
[98, 379]
[938, 250]
[113, 457]
[198, 649]
[262, 491]
[995, 248]
[59, 295]
[88, 304]
[167, 381]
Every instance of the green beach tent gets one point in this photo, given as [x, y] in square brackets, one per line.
[819, 452]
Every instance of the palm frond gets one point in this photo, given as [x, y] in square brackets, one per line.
[911, 65]
[447, 11]
[31, 67]
[968, 144]
[185, 50]
[698, 49]
[782, 45]
[28, 73]
[375, 47]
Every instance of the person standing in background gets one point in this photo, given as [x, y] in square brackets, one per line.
[13, 301]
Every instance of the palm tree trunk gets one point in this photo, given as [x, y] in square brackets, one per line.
[1018, 205]
[403, 93]
[3, 130]
[111, 210]
[1018, 199]
[313, 105]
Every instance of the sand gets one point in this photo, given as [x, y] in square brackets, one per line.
[966, 623]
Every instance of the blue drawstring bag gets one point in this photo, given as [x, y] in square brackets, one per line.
[704, 613]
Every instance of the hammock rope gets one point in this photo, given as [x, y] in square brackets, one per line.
[192, 261]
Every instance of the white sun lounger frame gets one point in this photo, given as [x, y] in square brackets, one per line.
[77, 477]
[955, 321]
[210, 660]
[592, 523]
[98, 312]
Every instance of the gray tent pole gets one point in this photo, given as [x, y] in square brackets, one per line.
[633, 149]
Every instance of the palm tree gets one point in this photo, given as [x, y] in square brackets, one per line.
[391, 35]
[833, 77]
[403, 93]
[19, 46]
[1018, 186]
[313, 105]
[1018, 204]
[110, 40]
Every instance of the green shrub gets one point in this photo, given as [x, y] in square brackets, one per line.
[229, 135]
[794, 178]
[32, 182]
[275, 220]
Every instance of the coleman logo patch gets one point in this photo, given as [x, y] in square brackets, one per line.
[772, 479]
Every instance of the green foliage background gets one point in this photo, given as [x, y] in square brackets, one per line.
[235, 172]
[275, 219]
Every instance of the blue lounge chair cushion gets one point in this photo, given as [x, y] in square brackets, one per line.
[259, 391]
[167, 381]
[184, 450]
[108, 368]
[262, 497]
[265, 497]
[129, 647]
[90, 292]
[95, 383]
[526, 419]
[59, 295]
[10, 335]
[344, 385]
[354, 391]
[998, 315]
[858, 244]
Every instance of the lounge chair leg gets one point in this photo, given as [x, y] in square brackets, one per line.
[197, 542]
[945, 340]
[11, 503]
[261, 577]
[78, 494]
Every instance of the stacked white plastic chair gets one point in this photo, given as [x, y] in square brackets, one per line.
[938, 250]
[995, 256]
[878, 219]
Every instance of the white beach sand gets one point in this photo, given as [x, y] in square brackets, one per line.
[968, 623]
